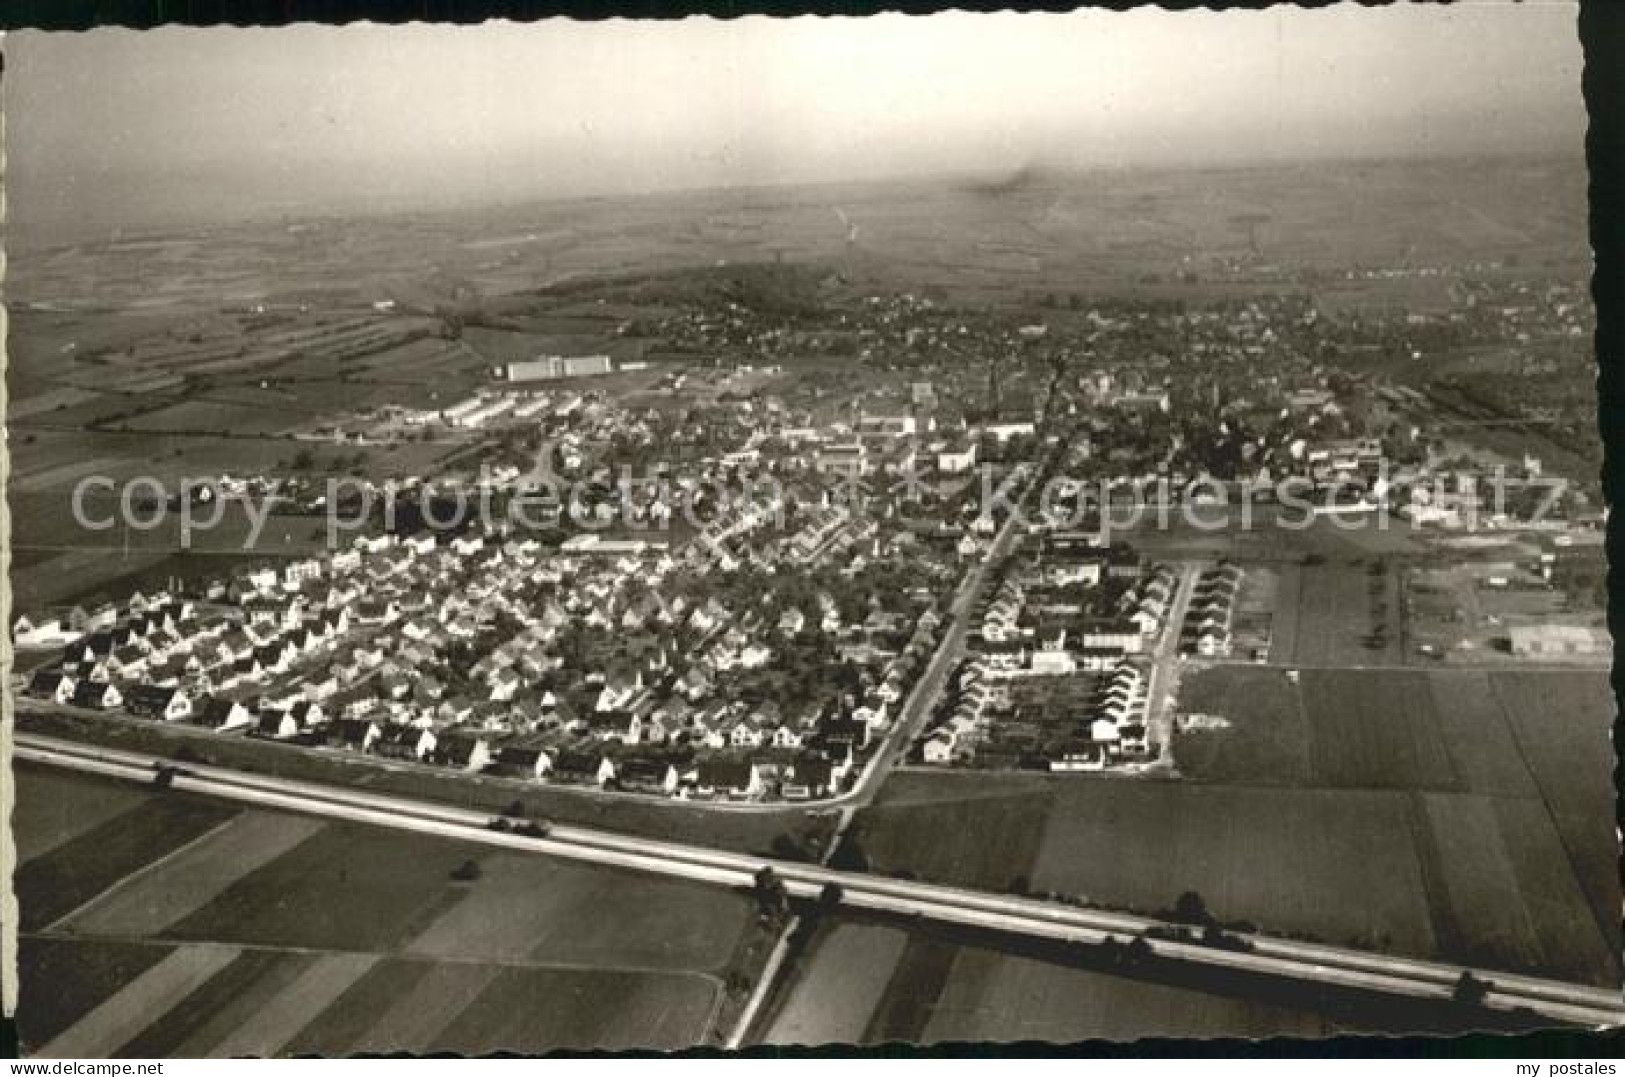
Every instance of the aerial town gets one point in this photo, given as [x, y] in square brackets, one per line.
[781, 563]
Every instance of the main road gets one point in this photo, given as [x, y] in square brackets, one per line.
[911, 717]
[1163, 681]
[1572, 1003]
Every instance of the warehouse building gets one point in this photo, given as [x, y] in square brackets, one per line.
[555, 367]
[1549, 641]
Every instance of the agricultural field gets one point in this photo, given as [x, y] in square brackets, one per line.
[54, 460]
[1484, 731]
[990, 995]
[1255, 604]
[842, 981]
[67, 563]
[1464, 609]
[1266, 534]
[980, 829]
[187, 926]
[221, 417]
[1470, 807]
[1338, 613]
[57, 560]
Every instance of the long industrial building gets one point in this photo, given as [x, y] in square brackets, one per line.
[554, 367]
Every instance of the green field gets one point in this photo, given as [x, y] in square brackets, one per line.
[840, 985]
[1325, 615]
[989, 995]
[82, 974]
[185, 927]
[996, 832]
[55, 883]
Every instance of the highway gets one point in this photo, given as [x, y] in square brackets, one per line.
[1571, 1003]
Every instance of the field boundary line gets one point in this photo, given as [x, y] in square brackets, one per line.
[764, 985]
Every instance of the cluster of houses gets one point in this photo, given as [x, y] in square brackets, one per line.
[1086, 612]
[954, 740]
[1112, 729]
[1108, 729]
[1074, 607]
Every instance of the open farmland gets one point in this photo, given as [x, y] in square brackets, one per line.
[1514, 769]
[1495, 732]
[989, 995]
[995, 822]
[1469, 807]
[1265, 533]
[53, 461]
[218, 416]
[842, 980]
[229, 931]
[874, 980]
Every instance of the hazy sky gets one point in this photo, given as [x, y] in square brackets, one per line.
[124, 127]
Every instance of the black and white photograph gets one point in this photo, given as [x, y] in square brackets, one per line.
[744, 534]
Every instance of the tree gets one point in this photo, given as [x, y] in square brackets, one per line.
[1191, 909]
[849, 856]
[831, 896]
[771, 897]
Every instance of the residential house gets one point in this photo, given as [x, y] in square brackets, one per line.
[171, 704]
[128, 662]
[97, 695]
[53, 685]
[354, 734]
[523, 761]
[275, 724]
[308, 713]
[584, 768]
[504, 684]
[407, 742]
[728, 777]
[224, 715]
[647, 776]
[466, 749]
[939, 748]
[810, 777]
